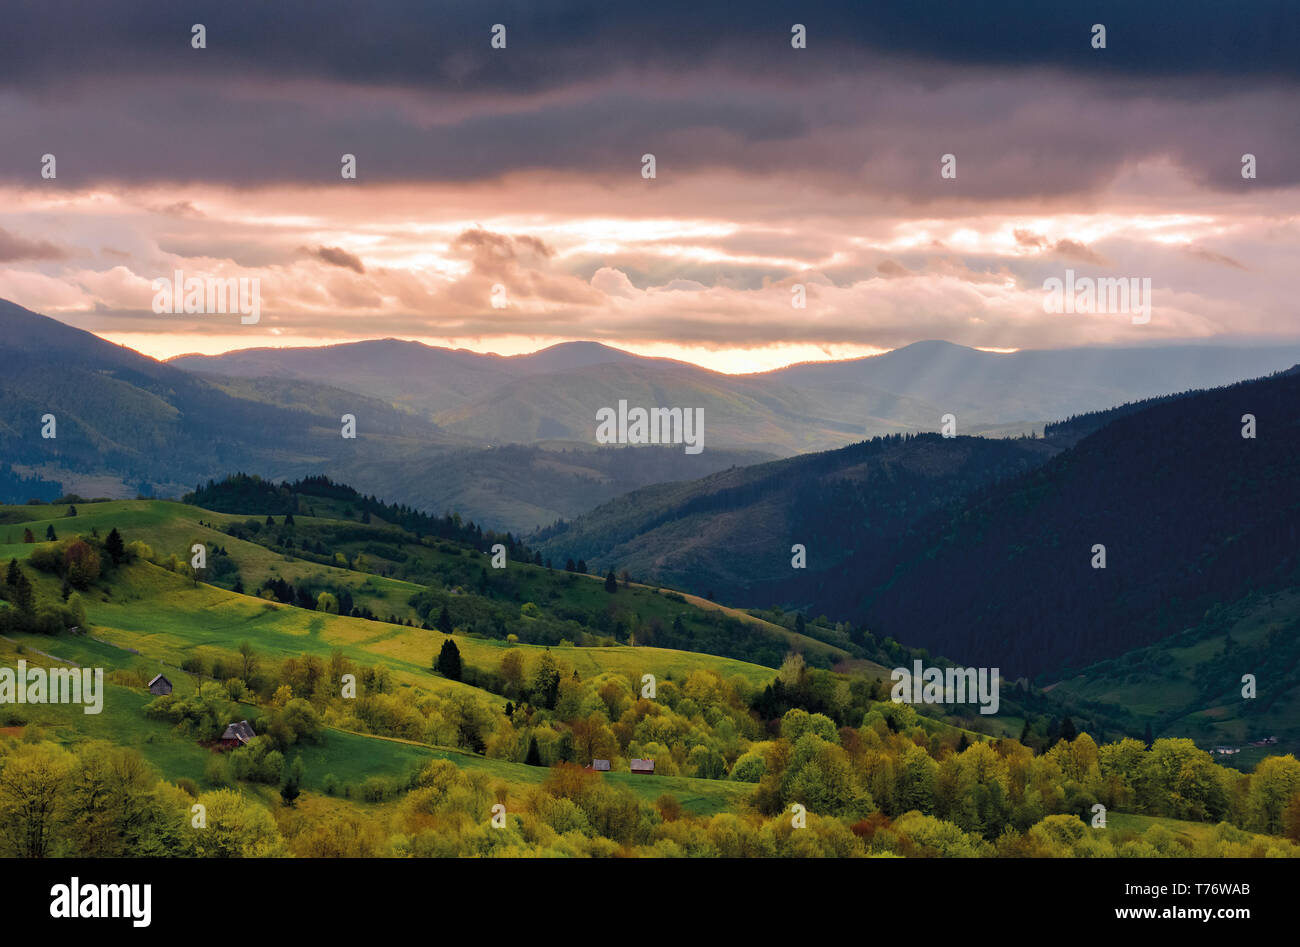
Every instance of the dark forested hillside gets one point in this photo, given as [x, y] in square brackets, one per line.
[982, 550]
[1191, 514]
[732, 533]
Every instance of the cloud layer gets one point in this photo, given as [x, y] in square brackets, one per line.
[489, 176]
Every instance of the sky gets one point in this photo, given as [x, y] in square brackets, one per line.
[776, 167]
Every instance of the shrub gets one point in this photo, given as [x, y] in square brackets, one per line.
[216, 772]
[375, 789]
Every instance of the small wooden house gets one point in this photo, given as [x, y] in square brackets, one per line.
[598, 766]
[160, 686]
[645, 767]
[237, 734]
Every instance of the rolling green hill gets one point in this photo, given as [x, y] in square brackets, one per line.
[399, 567]
[413, 759]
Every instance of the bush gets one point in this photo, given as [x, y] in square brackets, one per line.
[216, 772]
[375, 789]
[46, 558]
[257, 762]
[296, 720]
[52, 619]
[749, 768]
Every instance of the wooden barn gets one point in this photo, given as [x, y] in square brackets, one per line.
[598, 766]
[645, 767]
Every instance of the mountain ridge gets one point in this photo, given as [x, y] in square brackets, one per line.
[554, 393]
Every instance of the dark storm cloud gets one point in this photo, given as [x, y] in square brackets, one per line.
[1045, 137]
[415, 91]
[445, 45]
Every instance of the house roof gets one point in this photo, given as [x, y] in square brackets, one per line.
[601, 765]
[643, 765]
[239, 731]
[157, 679]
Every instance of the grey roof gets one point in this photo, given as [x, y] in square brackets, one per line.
[645, 765]
[601, 765]
[157, 679]
[239, 731]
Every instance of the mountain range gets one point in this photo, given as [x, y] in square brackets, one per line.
[553, 395]
[509, 441]
[126, 424]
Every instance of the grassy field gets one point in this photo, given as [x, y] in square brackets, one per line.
[1190, 834]
[148, 619]
[165, 616]
[348, 757]
[172, 528]
[207, 616]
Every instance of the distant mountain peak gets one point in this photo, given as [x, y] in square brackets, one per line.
[566, 356]
[581, 345]
[931, 345]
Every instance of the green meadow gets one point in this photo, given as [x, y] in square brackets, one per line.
[148, 620]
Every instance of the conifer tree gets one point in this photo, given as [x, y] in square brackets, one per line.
[116, 548]
[448, 663]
